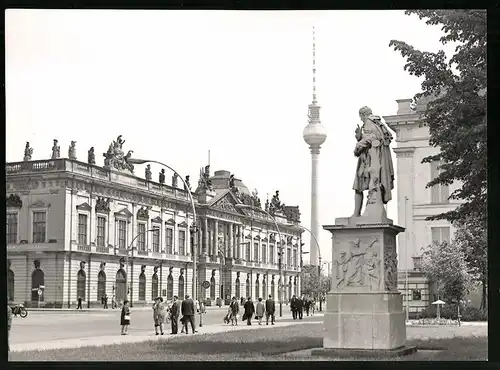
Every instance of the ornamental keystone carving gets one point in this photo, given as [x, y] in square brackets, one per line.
[357, 266]
[102, 205]
[115, 158]
[14, 201]
[143, 213]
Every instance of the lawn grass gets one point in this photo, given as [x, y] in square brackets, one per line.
[263, 345]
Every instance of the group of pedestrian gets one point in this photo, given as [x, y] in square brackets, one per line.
[162, 314]
[250, 310]
[298, 305]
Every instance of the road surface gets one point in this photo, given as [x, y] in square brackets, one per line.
[42, 326]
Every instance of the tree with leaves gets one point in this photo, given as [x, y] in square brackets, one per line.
[456, 91]
[472, 241]
[445, 263]
[310, 281]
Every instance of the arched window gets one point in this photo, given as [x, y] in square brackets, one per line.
[101, 285]
[248, 287]
[289, 290]
[10, 285]
[272, 289]
[237, 288]
[121, 285]
[181, 287]
[37, 279]
[81, 279]
[257, 289]
[154, 286]
[170, 287]
[212, 288]
[264, 287]
[142, 287]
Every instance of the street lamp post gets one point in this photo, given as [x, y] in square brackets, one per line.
[319, 264]
[280, 253]
[129, 249]
[194, 229]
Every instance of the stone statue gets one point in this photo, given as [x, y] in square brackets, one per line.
[205, 183]
[115, 158]
[28, 152]
[266, 207]
[186, 180]
[232, 186]
[256, 199]
[148, 173]
[161, 178]
[56, 150]
[91, 156]
[174, 180]
[374, 171]
[72, 150]
[276, 205]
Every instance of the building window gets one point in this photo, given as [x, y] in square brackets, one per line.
[154, 286]
[122, 234]
[142, 287]
[247, 254]
[11, 228]
[101, 231]
[255, 252]
[141, 236]
[417, 263]
[39, 226]
[295, 257]
[169, 240]
[263, 256]
[82, 229]
[10, 285]
[170, 287]
[439, 193]
[182, 243]
[156, 239]
[416, 295]
[101, 285]
[212, 288]
[271, 254]
[288, 257]
[181, 287]
[440, 234]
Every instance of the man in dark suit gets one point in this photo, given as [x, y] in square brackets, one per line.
[249, 311]
[270, 310]
[174, 315]
[293, 307]
[187, 310]
[300, 307]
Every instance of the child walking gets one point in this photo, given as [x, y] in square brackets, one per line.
[125, 317]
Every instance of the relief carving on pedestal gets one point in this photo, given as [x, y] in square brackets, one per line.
[391, 266]
[359, 267]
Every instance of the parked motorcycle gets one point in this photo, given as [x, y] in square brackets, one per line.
[20, 310]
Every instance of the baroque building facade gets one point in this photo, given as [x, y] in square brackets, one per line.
[79, 230]
[416, 202]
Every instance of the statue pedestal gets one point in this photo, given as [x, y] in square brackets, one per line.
[364, 310]
[205, 196]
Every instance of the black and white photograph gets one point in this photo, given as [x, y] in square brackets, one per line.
[221, 185]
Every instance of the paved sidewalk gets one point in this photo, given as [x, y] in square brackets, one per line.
[100, 309]
[142, 337]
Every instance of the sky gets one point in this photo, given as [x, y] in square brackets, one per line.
[177, 84]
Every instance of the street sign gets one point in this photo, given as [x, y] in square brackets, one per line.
[39, 291]
[205, 284]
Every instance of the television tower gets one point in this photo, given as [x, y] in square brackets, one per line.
[314, 135]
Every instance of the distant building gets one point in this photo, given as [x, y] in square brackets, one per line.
[71, 226]
[416, 202]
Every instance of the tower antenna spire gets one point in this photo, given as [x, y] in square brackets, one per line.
[314, 65]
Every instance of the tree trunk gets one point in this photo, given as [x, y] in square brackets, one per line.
[483, 295]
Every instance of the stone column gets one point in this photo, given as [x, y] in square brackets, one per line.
[216, 237]
[205, 236]
[238, 242]
[231, 240]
